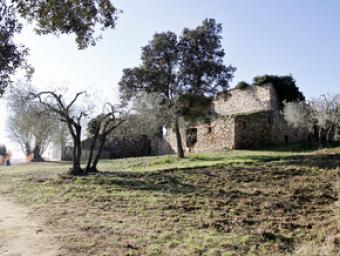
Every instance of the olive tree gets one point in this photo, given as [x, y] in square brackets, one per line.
[72, 115]
[30, 123]
[326, 111]
[320, 117]
[99, 128]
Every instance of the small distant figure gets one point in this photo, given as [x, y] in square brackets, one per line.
[5, 156]
[8, 160]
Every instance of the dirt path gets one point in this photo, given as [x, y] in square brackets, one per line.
[22, 235]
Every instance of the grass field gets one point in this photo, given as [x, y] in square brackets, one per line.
[235, 203]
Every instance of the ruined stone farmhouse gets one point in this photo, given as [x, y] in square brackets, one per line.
[242, 119]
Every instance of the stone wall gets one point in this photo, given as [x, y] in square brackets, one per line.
[243, 131]
[160, 146]
[244, 118]
[217, 136]
[265, 128]
[249, 100]
[253, 130]
[282, 133]
[115, 148]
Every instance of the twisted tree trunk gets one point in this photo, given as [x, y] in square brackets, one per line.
[37, 153]
[329, 136]
[92, 148]
[76, 169]
[180, 151]
[93, 167]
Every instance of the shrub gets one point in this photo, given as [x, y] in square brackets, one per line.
[285, 87]
[3, 150]
[242, 85]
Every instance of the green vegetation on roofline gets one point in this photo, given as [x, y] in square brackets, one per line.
[285, 87]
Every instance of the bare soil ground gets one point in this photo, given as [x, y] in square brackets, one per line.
[22, 235]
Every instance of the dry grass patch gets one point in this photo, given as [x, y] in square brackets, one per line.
[241, 203]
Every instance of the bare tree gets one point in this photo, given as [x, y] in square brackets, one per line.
[100, 128]
[320, 117]
[69, 114]
[327, 113]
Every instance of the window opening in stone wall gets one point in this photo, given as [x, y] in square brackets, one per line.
[191, 137]
[286, 139]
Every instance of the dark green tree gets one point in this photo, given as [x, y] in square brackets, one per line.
[79, 17]
[285, 87]
[12, 56]
[202, 71]
[184, 73]
[3, 150]
[157, 74]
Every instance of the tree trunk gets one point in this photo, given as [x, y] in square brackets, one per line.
[37, 153]
[180, 151]
[100, 150]
[320, 137]
[76, 169]
[329, 135]
[92, 148]
[28, 151]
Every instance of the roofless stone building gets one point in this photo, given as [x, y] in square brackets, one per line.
[242, 119]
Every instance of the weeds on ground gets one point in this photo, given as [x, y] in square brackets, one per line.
[235, 203]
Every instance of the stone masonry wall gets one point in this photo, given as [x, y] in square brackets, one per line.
[115, 148]
[253, 130]
[264, 128]
[217, 136]
[248, 100]
[245, 118]
[221, 133]
[282, 133]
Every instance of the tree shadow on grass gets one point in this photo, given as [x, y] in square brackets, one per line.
[196, 179]
[321, 160]
[206, 158]
[162, 181]
[293, 147]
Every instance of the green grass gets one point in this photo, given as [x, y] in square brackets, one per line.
[264, 202]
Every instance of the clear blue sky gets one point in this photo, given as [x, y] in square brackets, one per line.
[260, 36]
[301, 37]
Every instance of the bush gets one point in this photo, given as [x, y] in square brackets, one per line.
[337, 134]
[242, 85]
[3, 150]
[285, 87]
